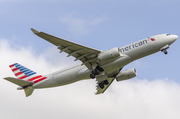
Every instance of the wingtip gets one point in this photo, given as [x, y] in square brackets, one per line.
[34, 31]
[6, 78]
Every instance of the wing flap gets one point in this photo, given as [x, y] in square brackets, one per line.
[19, 82]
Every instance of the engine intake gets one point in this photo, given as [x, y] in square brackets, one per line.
[127, 74]
[108, 54]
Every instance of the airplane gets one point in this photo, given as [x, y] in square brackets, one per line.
[104, 66]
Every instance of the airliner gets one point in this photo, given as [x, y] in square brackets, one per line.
[103, 66]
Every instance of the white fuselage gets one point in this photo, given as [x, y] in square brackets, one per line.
[129, 53]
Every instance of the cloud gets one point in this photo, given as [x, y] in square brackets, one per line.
[81, 26]
[130, 99]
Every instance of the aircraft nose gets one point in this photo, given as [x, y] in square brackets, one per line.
[171, 38]
[175, 37]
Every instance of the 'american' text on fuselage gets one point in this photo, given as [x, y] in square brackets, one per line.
[134, 45]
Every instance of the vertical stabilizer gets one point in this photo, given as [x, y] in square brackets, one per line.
[26, 74]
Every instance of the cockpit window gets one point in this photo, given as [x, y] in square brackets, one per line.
[168, 34]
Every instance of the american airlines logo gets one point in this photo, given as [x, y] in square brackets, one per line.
[152, 39]
[134, 45]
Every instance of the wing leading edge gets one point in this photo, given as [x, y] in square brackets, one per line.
[85, 54]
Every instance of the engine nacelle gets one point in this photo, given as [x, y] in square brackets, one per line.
[108, 54]
[127, 74]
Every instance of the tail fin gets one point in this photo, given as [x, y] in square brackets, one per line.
[25, 78]
[26, 74]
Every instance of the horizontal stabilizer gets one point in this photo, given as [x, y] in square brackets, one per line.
[28, 91]
[19, 82]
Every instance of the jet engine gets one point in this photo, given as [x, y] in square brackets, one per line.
[108, 54]
[127, 74]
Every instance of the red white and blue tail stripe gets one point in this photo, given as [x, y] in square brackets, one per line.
[26, 74]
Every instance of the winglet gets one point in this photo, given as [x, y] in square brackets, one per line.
[34, 31]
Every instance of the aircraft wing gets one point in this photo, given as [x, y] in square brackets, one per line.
[80, 52]
[99, 90]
